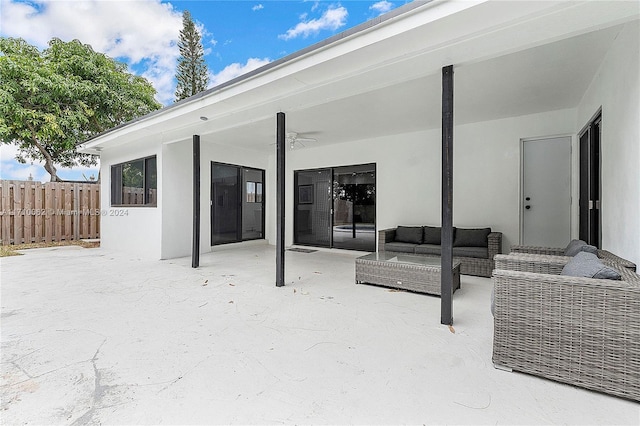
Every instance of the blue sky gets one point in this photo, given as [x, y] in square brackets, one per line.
[238, 36]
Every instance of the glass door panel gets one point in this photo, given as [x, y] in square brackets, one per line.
[252, 205]
[354, 204]
[312, 220]
[225, 208]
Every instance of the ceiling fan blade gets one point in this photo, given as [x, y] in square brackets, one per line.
[306, 139]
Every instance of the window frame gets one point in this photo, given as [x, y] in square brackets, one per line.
[116, 195]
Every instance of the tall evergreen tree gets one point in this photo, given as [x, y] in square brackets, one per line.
[192, 73]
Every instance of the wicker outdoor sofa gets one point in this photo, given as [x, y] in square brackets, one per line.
[580, 331]
[557, 251]
[475, 259]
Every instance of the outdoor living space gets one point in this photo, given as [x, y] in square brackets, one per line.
[92, 336]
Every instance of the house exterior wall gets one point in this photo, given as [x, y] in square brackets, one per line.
[177, 188]
[615, 88]
[139, 231]
[486, 172]
[165, 231]
[487, 167]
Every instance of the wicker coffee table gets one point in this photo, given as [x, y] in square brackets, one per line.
[408, 272]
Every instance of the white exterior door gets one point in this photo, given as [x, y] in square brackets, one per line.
[546, 192]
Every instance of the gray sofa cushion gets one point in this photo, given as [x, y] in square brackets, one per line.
[400, 247]
[585, 264]
[477, 237]
[477, 252]
[409, 234]
[428, 249]
[576, 246]
[431, 235]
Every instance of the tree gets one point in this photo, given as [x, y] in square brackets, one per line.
[192, 73]
[54, 99]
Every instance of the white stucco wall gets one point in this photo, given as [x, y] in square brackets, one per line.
[165, 231]
[616, 89]
[486, 172]
[177, 187]
[139, 231]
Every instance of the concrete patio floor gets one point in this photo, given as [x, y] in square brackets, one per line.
[94, 337]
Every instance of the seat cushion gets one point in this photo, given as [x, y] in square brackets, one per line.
[400, 247]
[476, 237]
[409, 234]
[431, 235]
[476, 252]
[433, 249]
[585, 264]
[576, 246]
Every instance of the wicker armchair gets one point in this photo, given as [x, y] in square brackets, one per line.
[537, 263]
[557, 251]
[580, 331]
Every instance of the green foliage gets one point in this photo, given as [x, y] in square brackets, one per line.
[133, 174]
[192, 73]
[54, 99]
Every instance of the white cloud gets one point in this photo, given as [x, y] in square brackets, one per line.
[382, 6]
[120, 29]
[10, 169]
[332, 19]
[236, 69]
[257, 7]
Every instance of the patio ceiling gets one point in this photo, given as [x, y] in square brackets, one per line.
[509, 59]
[543, 78]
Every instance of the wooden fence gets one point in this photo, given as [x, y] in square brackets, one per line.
[33, 212]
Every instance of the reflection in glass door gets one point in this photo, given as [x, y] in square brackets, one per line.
[354, 206]
[237, 203]
[336, 207]
[312, 220]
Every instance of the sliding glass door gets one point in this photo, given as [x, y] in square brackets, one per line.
[336, 207]
[237, 203]
[354, 206]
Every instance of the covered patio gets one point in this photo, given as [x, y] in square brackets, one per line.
[373, 95]
[116, 339]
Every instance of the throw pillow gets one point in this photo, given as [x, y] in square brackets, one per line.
[573, 247]
[576, 246]
[478, 237]
[585, 264]
[431, 235]
[409, 234]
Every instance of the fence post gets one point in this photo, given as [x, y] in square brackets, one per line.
[5, 219]
[76, 206]
[18, 212]
[28, 207]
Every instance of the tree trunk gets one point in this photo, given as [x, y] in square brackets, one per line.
[51, 169]
[48, 161]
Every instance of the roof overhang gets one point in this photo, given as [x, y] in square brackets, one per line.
[510, 58]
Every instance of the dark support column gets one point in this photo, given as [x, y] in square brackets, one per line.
[446, 282]
[281, 148]
[195, 249]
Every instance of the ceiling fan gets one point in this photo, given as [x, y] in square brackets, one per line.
[294, 138]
